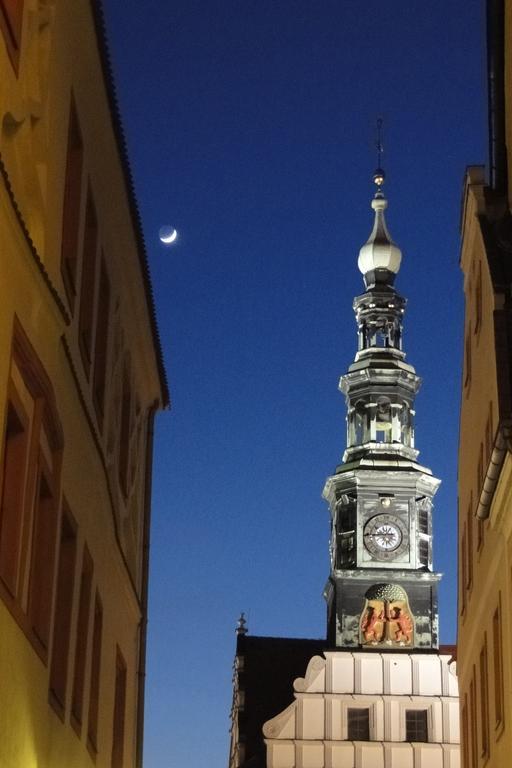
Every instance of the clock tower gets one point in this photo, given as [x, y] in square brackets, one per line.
[382, 591]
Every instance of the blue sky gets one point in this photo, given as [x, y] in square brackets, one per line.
[250, 127]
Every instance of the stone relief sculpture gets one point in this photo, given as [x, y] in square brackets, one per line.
[386, 618]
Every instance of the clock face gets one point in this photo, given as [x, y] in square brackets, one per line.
[385, 537]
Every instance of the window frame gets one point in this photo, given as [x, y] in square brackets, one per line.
[423, 726]
[58, 683]
[43, 424]
[72, 205]
[357, 712]
[11, 25]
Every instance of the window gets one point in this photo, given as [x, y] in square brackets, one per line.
[478, 299]
[11, 21]
[480, 532]
[484, 702]
[119, 712]
[383, 424]
[345, 530]
[82, 632]
[30, 470]
[480, 470]
[360, 417]
[101, 343]
[469, 528]
[463, 575]
[489, 434]
[358, 724]
[423, 551]
[88, 284]
[124, 438]
[94, 694]
[71, 207]
[63, 606]
[423, 515]
[473, 721]
[416, 725]
[467, 358]
[497, 657]
[465, 733]
[44, 530]
[14, 472]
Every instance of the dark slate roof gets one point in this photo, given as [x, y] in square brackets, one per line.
[108, 77]
[271, 664]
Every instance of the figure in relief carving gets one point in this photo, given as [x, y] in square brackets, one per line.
[400, 625]
[386, 618]
[372, 624]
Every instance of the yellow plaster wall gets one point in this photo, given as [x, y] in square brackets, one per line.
[59, 53]
[491, 584]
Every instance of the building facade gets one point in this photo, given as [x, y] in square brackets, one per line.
[485, 449]
[382, 693]
[81, 378]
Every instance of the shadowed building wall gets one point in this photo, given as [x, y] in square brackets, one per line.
[81, 377]
[485, 460]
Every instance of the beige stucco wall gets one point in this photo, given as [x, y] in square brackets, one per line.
[312, 731]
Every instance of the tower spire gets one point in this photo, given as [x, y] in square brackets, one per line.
[379, 258]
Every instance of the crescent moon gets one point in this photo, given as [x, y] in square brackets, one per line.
[168, 239]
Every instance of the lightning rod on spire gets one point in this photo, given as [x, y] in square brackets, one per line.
[379, 176]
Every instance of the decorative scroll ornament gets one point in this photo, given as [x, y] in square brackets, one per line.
[387, 618]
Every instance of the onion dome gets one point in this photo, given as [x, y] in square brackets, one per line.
[379, 258]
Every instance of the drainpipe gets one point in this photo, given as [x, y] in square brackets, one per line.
[502, 444]
[144, 588]
[496, 95]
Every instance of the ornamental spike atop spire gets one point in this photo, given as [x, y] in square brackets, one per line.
[379, 258]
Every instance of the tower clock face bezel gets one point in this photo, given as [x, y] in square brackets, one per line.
[385, 537]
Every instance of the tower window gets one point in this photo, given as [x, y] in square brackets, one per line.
[346, 535]
[423, 520]
[416, 725]
[423, 551]
[358, 724]
[383, 420]
[360, 423]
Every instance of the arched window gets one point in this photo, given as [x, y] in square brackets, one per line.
[382, 333]
[383, 420]
[360, 423]
[405, 427]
